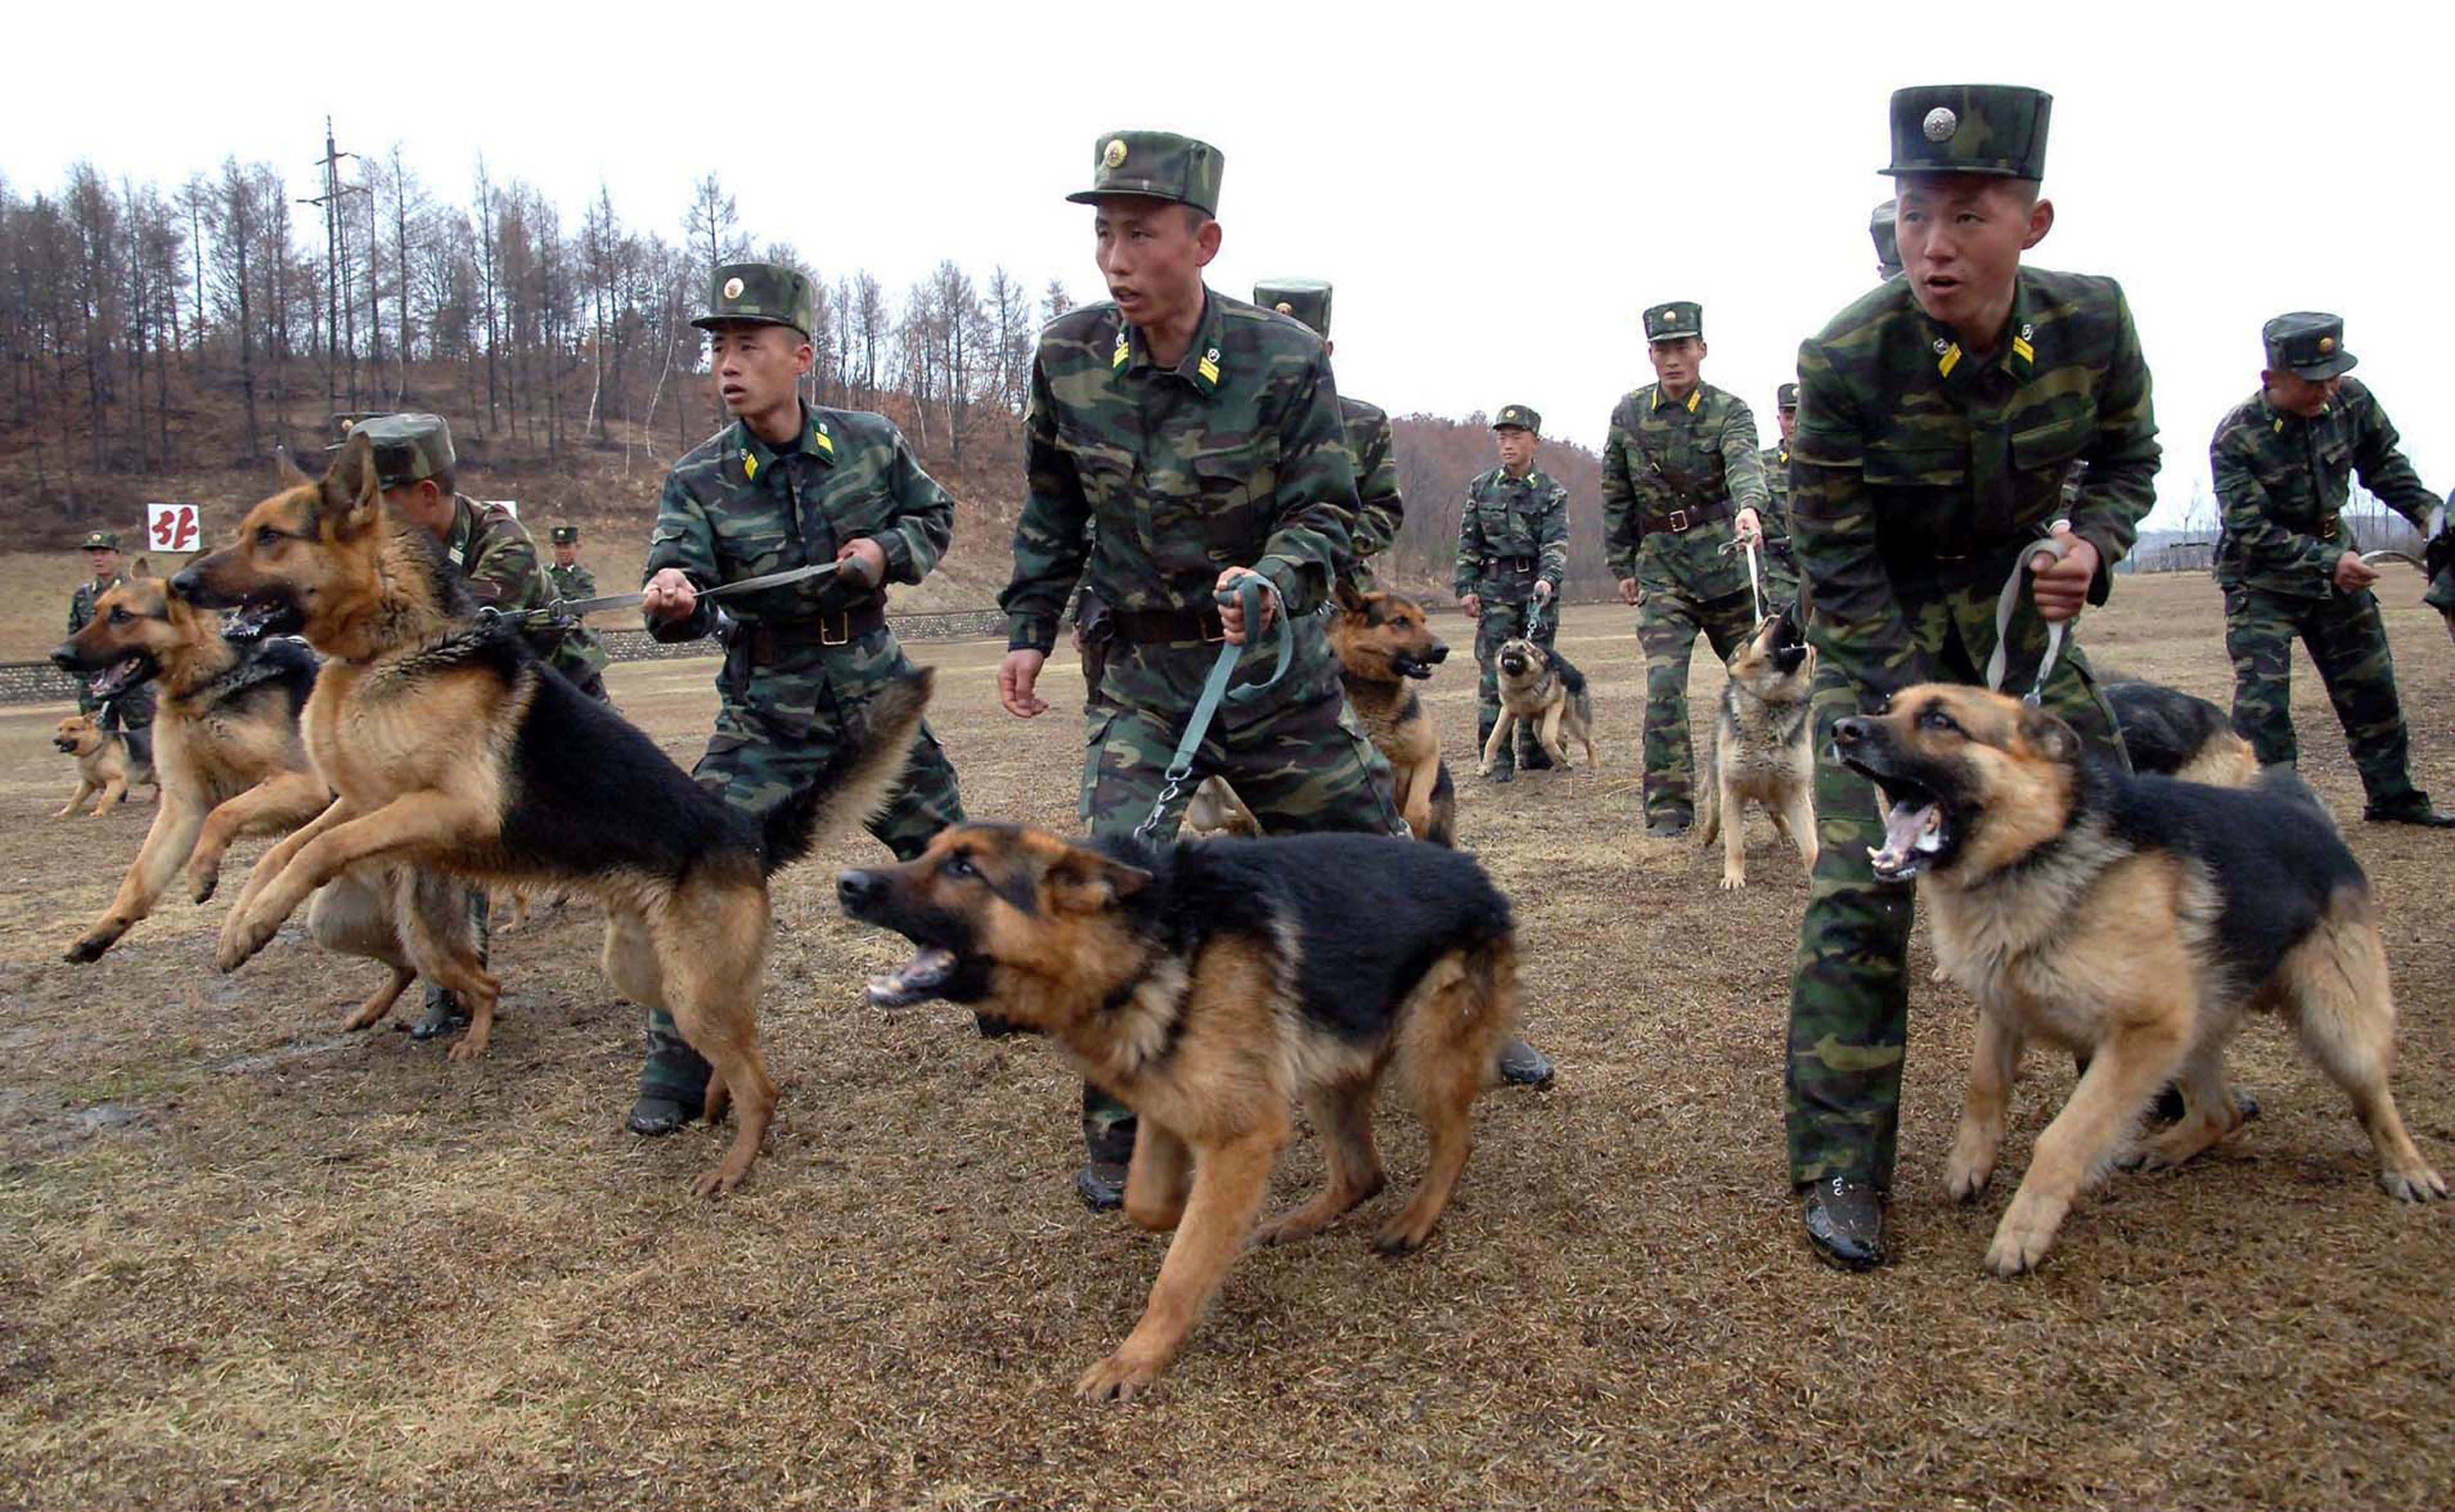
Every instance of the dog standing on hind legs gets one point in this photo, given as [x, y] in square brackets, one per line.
[2134, 919]
[1541, 689]
[1763, 746]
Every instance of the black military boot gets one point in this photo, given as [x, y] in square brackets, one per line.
[1107, 1152]
[1845, 1222]
[673, 1084]
[1504, 766]
[1668, 827]
[1523, 1065]
[2412, 809]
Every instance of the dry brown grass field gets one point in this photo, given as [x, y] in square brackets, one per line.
[247, 1262]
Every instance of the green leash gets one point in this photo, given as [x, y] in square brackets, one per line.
[1250, 595]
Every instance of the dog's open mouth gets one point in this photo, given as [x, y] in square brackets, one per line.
[120, 675]
[1916, 830]
[260, 616]
[1407, 666]
[67, 745]
[924, 976]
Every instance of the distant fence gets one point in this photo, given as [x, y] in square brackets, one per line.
[41, 682]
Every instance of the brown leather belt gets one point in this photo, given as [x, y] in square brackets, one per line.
[1158, 627]
[776, 641]
[1679, 520]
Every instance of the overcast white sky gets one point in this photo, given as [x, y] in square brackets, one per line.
[1495, 190]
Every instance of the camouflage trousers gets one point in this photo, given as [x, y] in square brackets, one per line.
[1780, 577]
[1668, 622]
[776, 729]
[1848, 997]
[1300, 760]
[2347, 642]
[1496, 624]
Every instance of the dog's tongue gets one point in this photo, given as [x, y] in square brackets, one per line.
[115, 677]
[915, 980]
[1913, 832]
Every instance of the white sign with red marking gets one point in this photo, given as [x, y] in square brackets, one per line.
[172, 528]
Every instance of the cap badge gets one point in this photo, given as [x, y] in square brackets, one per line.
[2326, 344]
[1284, 308]
[1113, 156]
[733, 289]
[1940, 123]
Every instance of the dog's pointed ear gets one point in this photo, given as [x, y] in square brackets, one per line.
[1084, 882]
[286, 468]
[349, 492]
[2048, 735]
[1348, 600]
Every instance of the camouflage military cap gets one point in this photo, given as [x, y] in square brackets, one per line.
[1786, 397]
[566, 534]
[102, 541]
[1519, 418]
[409, 448]
[759, 294]
[1994, 129]
[1307, 299]
[1887, 238]
[1675, 321]
[2308, 343]
[1155, 164]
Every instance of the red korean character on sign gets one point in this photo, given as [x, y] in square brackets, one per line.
[173, 527]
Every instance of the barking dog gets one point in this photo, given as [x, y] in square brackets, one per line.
[2133, 919]
[106, 768]
[1764, 746]
[1211, 986]
[1540, 688]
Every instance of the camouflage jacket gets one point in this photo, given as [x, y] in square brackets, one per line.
[2282, 483]
[1918, 472]
[1375, 452]
[1147, 482]
[498, 563]
[1515, 531]
[1773, 461]
[136, 706]
[573, 583]
[1664, 456]
[732, 507]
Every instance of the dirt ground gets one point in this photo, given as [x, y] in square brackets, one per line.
[247, 1262]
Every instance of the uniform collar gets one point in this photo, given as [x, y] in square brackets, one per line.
[1696, 399]
[755, 457]
[1527, 478]
[1201, 365]
[2018, 358]
[2278, 419]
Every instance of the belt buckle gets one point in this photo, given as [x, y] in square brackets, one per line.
[843, 637]
[1678, 520]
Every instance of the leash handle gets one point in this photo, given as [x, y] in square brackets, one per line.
[1251, 593]
[1755, 576]
[2008, 602]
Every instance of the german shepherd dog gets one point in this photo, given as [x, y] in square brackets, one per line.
[1211, 985]
[1539, 686]
[106, 768]
[1383, 644]
[2170, 732]
[1763, 746]
[225, 739]
[2133, 919]
[449, 746]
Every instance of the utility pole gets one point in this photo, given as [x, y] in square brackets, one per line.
[336, 249]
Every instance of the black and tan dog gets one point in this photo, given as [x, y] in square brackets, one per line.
[2169, 733]
[1763, 746]
[449, 747]
[1211, 986]
[106, 768]
[1540, 688]
[2134, 919]
[1384, 645]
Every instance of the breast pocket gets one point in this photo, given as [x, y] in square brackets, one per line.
[749, 543]
[2048, 451]
[1234, 494]
[1924, 488]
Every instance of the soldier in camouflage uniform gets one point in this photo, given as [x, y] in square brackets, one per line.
[1780, 570]
[1681, 486]
[1370, 443]
[131, 712]
[1939, 418]
[572, 582]
[2289, 564]
[1512, 557]
[1176, 442]
[786, 485]
[1881, 226]
[497, 562]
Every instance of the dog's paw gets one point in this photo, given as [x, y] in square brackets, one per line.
[1966, 1174]
[243, 934]
[2022, 1238]
[1733, 881]
[1121, 1377]
[1483, 769]
[2416, 1184]
[202, 880]
[90, 946]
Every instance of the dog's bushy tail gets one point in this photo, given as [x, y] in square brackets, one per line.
[856, 783]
